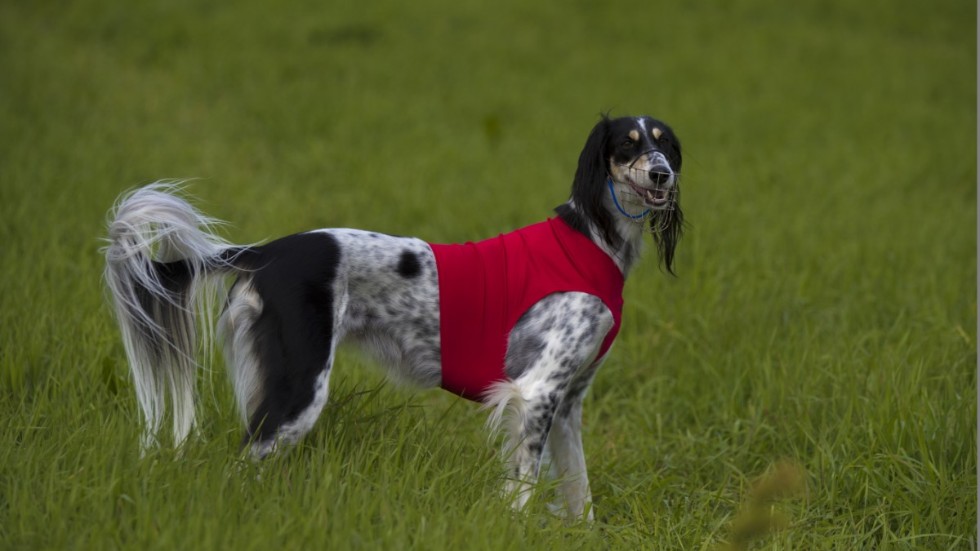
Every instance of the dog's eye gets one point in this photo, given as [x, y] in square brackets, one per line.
[628, 144]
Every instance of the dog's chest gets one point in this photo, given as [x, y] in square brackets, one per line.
[485, 287]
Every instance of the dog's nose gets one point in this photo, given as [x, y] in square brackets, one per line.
[660, 174]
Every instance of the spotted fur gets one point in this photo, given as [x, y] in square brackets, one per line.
[296, 298]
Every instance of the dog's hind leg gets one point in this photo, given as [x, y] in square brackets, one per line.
[280, 380]
[283, 324]
[551, 348]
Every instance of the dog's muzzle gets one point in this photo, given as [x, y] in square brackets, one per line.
[650, 177]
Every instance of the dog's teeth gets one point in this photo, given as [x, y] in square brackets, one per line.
[650, 196]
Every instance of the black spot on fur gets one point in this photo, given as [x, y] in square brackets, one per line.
[523, 350]
[408, 265]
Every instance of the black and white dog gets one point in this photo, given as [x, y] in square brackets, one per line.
[295, 298]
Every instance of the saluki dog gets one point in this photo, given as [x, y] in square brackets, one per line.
[519, 322]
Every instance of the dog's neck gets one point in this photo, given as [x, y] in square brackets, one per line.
[630, 233]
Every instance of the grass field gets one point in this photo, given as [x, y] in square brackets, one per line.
[824, 311]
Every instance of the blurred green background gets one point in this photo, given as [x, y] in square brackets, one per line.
[824, 309]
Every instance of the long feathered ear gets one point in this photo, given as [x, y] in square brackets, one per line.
[589, 186]
[666, 226]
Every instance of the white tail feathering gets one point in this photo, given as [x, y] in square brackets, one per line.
[160, 262]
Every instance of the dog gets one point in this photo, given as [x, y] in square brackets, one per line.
[429, 313]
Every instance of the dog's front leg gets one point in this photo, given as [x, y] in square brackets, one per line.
[552, 373]
[568, 456]
[525, 445]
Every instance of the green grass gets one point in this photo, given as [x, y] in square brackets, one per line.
[825, 309]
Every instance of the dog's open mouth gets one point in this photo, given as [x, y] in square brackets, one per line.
[654, 198]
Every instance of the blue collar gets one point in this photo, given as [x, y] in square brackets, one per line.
[620, 207]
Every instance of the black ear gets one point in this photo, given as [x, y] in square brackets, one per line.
[589, 186]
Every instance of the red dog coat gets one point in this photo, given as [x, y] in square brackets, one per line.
[485, 287]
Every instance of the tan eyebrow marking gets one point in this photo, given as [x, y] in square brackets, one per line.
[634, 135]
[657, 133]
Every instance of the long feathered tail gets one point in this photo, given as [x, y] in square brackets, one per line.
[163, 263]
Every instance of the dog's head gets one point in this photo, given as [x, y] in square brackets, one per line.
[630, 167]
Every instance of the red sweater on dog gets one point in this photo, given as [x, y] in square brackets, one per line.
[485, 287]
